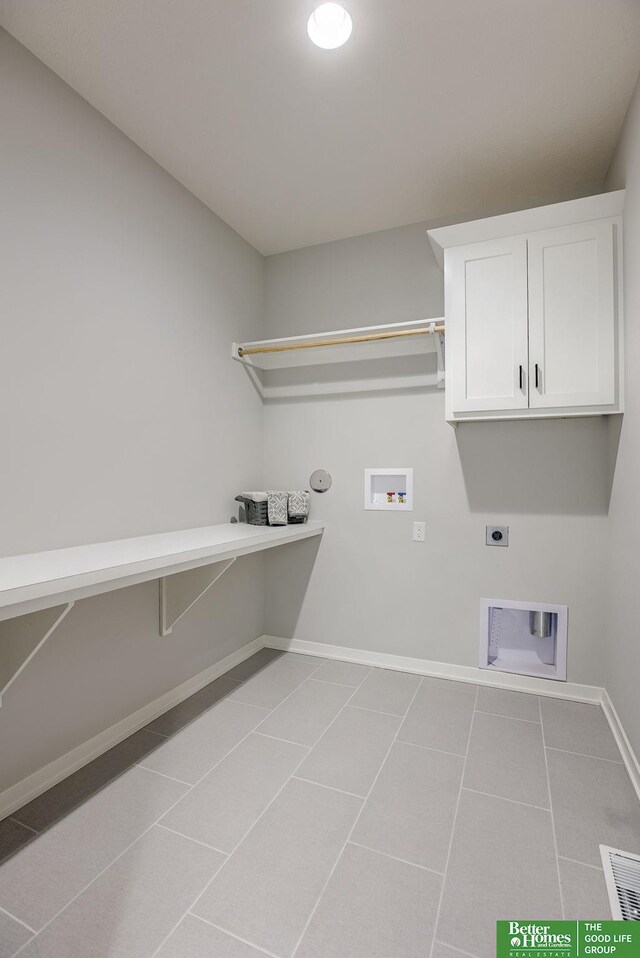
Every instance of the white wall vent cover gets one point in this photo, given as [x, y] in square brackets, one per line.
[622, 874]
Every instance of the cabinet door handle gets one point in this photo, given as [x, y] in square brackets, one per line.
[537, 368]
[521, 375]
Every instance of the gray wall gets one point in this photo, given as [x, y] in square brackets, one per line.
[372, 587]
[120, 412]
[622, 654]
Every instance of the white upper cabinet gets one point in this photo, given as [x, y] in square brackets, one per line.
[572, 316]
[487, 346]
[532, 314]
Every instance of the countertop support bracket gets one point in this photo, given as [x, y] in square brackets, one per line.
[22, 639]
[181, 591]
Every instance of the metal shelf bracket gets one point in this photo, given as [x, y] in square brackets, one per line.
[439, 340]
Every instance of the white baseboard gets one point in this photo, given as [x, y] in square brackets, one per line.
[38, 782]
[628, 755]
[443, 670]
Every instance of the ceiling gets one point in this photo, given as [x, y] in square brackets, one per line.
[433, 108]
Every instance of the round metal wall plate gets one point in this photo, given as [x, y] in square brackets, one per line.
[320, 480]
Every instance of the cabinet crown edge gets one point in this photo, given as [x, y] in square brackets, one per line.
[599, 206]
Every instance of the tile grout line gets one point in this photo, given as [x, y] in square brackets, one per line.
[191, 839]
[357, 818]
[148, 829]
[405, 861]
[574, 861]
[20, 922]
[285, 699]
[553, 822]
[287, 741]
[10, 818]
[342, 685]
[363, 708]
[250, 829]
[466, 788]
[273, 708]
[224, 931]
[458, 950]
[598, 758]
[331, 788]
[170, 778]
[502, 798]
[453, 828]
[429, 748]
[290, 741]
[513, 718]
[164, 734]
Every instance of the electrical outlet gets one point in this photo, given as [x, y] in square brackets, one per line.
[497, 536]
[419, 531]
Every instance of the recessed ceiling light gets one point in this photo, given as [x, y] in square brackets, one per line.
[329, 26]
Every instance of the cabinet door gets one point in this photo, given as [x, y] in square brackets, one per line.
[486, 318]
[572, 316]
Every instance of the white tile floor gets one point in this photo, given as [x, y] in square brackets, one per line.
[323, 810]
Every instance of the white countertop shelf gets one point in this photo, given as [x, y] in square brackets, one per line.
[43, 580]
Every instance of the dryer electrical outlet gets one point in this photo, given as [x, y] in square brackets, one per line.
[497, 536]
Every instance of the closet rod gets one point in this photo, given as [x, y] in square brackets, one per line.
[371, 337]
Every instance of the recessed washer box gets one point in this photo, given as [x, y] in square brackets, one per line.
[526, 638]
[389, 489]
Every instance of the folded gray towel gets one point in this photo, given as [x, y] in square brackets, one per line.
[277, 508]
[298, 503]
